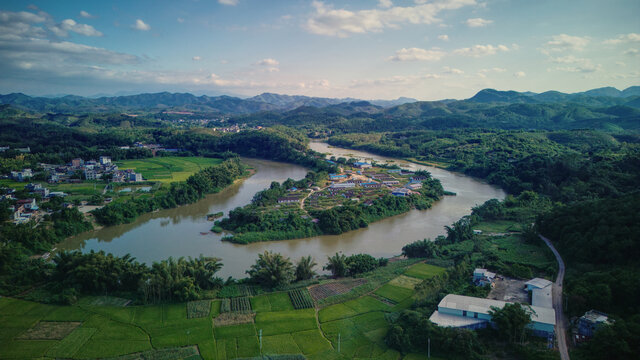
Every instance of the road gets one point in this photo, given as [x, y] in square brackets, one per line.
[561, 322]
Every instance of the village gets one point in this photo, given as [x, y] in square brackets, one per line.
[78, 172]
[359, 182]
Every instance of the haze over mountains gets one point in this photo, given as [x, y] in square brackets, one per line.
[604, 108]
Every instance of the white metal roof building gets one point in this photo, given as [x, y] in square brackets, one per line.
[537, 283]
[471, 312]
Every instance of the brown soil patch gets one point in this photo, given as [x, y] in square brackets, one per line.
[50, 330]
[319, 292]
[233, 319]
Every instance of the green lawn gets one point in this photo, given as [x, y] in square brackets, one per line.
[168, 169]
[424, 271]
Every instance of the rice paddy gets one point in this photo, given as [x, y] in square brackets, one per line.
[280, 323]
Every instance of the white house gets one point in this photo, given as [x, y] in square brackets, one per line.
[105, 160]
[342, 185]
[473, 313]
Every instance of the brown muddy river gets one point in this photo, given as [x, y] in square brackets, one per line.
[177, 232]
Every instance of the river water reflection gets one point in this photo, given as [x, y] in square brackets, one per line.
[177, 232]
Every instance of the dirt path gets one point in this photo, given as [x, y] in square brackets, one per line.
[561, 322]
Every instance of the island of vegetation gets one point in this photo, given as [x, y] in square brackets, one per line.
[359, 194]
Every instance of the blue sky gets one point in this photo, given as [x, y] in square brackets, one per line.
[384, 49]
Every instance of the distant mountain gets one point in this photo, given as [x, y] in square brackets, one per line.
[178, 101]
[606, 96]
[289, 102]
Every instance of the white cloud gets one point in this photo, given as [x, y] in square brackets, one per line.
[141, 25]
[443, 37]
[341, 22]
[519, 74]
[196, 58]
[70, 25]
[229, 2]
[454, 71]
[385, 4]
[623, 38]
[564, 42]
[478, 22]
[180, 20]
[268, 62]
[481, 50]
[571, 63]
[417, 54]
[85, 14]
[632, 52]
[398, 80]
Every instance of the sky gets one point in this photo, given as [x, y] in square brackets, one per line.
[375, 49]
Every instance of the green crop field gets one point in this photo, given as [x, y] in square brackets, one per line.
[102, 327]
[424, 271]
[168, 169]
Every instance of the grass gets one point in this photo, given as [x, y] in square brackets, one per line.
[72, 343]
[233, 331]
[497, 226]
[280, 344]
[168, 169]
[393, 293]
[424, 271]
[405, 282]
[301, 299]
[311, 341]
[283, 322]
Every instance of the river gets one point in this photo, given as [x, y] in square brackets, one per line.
[176, 232]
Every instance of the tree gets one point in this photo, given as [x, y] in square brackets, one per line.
[304, 268]
[271, 269]
[360, 263]
[337, 264]
[419, 249]
[511, 320]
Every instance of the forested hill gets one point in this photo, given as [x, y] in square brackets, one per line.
[177, 102]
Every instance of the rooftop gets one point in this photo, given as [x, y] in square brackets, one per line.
[483, 306]
[542, 297]
[447, 320]
[538, 282]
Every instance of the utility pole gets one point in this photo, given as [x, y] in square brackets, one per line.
[338, 342]
[260, 337]
[429, 348]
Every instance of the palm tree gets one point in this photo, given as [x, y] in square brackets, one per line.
[304, 268]
[271, 269]
[337, 265]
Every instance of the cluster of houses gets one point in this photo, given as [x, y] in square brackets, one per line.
[91, 170]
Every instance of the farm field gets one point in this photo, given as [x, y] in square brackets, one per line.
[168, 169]
[107, 327]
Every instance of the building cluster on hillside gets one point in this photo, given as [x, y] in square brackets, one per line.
[475, 313]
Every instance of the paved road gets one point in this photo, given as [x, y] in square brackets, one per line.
[561, 322]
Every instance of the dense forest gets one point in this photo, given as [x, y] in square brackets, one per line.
[566, 165]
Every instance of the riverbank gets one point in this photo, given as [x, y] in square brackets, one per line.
[176, 232]
[359, 194]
